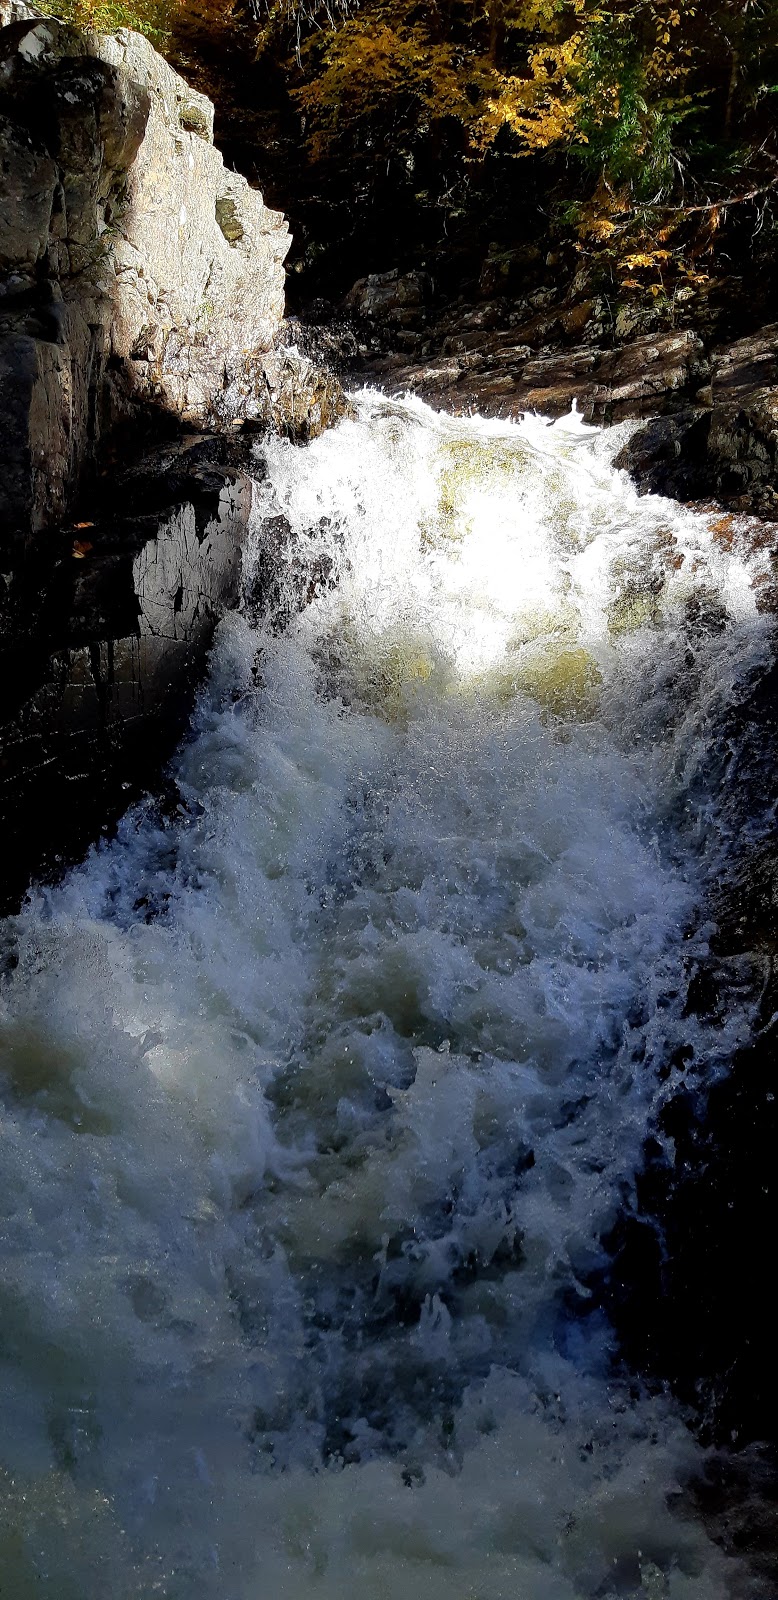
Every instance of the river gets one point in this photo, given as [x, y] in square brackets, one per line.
[322, 1089]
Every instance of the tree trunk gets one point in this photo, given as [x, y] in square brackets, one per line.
[496, 16]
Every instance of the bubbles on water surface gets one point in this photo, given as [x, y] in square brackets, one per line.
[319, 1098]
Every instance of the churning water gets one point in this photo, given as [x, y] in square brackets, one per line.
[320, 1097]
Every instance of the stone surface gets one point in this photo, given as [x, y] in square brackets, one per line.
[288, 392]
[502, 372]
[686, 1286]
[99, 672]
[139, 279]
[726, 449]
[141, 298]
[389, 297]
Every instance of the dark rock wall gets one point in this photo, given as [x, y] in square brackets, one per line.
[98, 672]
[726, 450]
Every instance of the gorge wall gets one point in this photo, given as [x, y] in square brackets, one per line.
[141, 300]
[141, 276]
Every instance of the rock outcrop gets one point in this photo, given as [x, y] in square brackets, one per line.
[497, 372]
[533, 352]
[726, 450]
[142, 349]
[140, 279]
[97, 685]
[389, 296]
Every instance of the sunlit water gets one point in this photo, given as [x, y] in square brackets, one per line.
[320, 1097]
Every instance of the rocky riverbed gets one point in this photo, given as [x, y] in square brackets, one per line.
[709, 402]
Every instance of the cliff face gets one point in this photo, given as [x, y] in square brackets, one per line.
[141, 301]
[139, 276]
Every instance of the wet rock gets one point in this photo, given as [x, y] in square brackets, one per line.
[632, 380]
[100, 671]
[725, 448]
[283, 581]
[653, 455]
[500, 372]
[689, 1286]
[286, 391]
[689, 1289]
[747, 367]
[141, 295]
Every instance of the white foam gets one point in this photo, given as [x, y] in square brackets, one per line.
[301, 1173]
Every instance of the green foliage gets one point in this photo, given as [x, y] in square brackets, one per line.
[635, 143]
[616, 78]
[151, 17]
[661, 105]
[379, 73]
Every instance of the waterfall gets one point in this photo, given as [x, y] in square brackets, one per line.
[322, 1090]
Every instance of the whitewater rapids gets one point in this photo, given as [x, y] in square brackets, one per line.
[320, 1095]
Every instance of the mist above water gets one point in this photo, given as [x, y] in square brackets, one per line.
[320, 1096]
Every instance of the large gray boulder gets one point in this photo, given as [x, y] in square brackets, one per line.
[139, 278]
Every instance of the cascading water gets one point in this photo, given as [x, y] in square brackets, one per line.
[320, 1097]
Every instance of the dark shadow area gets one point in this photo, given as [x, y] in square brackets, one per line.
[105, 648]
